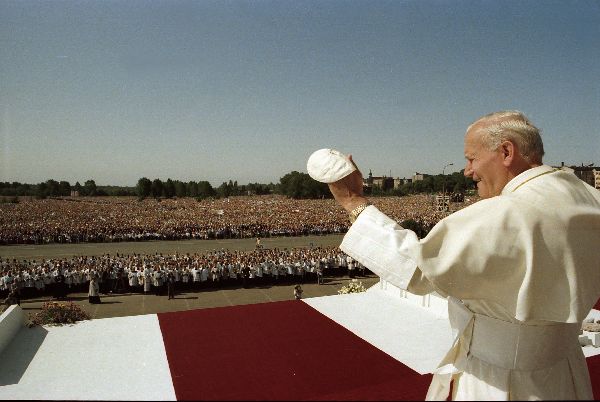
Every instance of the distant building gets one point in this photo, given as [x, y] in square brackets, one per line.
[398, 182]
[589, 173]
[382, 182]
[420, 176]
[74, 193]
[387, 182]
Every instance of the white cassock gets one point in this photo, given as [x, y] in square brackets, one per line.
[521, 272]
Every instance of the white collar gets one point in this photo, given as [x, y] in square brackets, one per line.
[526, 176]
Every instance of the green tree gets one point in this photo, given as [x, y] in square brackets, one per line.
[459, 187]
[180, 189]
[41, 190]
[169, 189]
[205, 190]
[438, 182]
[400, 191]
[90, 188]
[192, 189]
[419, 186]
[257, 188]
[301, 185]
[157, 188]
[224, 190]
[407, 188]
[143, 187]
[52, 188]
[25, 189]
[64, 188]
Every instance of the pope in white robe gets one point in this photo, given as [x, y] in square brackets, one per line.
[521, 268]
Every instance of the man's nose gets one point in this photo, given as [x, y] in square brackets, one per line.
[468, 170]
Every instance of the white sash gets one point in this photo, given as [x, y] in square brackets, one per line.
[512, 346]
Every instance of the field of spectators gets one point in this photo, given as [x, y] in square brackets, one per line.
[114, 219]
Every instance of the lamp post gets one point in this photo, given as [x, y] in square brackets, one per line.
[444, 185]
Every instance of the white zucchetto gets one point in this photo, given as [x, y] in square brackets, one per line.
[328, 165]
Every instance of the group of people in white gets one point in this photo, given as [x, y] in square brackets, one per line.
[188, 272]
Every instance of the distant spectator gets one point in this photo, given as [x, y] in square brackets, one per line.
[94, 291]
[171, 286]
[298, 292]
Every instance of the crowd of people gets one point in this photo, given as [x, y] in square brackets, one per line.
[114, 219]
[161, 274]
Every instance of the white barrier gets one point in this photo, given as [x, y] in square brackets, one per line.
[431, 301]
[11, 321]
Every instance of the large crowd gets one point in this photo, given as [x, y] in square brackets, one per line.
[113, 219]
[136, 273]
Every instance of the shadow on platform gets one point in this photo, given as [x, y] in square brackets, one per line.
[18, 355]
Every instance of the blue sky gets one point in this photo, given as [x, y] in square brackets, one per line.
[247, 90]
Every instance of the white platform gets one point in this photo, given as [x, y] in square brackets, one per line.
[416, 336]
[112, 359]
[85, 360]
[124, 358]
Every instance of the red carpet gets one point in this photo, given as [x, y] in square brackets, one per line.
[594, 367]
[278, 351]
[284, 351]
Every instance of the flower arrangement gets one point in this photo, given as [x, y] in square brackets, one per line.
[55, 313]
[353, 286]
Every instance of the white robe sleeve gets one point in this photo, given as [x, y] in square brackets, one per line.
[536, 262]
[383, 246]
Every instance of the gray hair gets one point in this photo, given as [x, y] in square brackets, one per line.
[512, 125]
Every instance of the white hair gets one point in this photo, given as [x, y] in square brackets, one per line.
[514, 126]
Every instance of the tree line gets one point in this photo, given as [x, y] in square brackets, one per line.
[203, 189]
[53, 188]
[294, 185]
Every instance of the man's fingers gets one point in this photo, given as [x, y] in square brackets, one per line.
[352, 160]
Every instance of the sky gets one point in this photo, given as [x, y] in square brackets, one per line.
[246, 90]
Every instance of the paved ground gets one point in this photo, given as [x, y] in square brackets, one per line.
[119, 305]
[150, 247]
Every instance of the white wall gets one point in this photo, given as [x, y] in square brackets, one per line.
[11, 321]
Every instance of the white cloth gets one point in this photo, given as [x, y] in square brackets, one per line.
[133, 278]
[94, 288]
[328, 166]
[528, 257]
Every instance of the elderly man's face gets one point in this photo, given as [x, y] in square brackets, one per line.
[485, 167]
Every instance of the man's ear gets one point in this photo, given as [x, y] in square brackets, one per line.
[509, 151]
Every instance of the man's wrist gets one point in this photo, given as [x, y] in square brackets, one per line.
[354, 202]
[353, 215]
